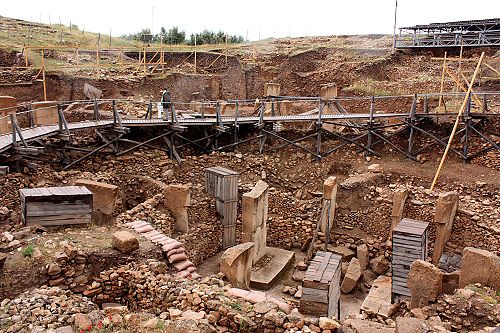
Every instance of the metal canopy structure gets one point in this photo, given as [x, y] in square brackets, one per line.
[474, 33]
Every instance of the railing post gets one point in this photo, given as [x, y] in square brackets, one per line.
[96, 109]
[319, 127]
[485, 104]
[114, 113]
[411, 122]
[59, 118]
[370, 125]
[12, 123]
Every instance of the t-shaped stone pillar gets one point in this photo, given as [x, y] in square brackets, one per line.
[398, 205]
[254, 216]
[177, 198]
[446, 208]
[329, 199]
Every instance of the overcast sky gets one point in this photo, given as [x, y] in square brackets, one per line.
[252, 18]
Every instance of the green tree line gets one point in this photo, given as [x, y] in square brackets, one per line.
[176, 36]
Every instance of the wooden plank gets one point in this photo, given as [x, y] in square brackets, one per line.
[315, 295]
[313, 308]
[322, 267]
[58, 222]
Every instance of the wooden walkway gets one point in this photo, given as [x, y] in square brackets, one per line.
[35, 133]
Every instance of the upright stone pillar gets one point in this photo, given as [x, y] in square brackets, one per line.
[45, 113]
[327, 92]
[177, 198]
[398, 205]
[236, 263]
[8, 105]
[446, 208]
[329, 199]
[254, 218]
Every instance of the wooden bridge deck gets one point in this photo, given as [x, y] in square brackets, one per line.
[34, 133]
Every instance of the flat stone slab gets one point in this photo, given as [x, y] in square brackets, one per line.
[378, 301]
[264, 277]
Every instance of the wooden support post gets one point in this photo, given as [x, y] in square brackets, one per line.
[457, 120]
[227, 48]
[195, 53]
[442, 83]
[43, 77]
[144, 58]
[77, 56]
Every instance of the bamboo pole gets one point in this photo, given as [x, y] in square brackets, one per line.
[195, 53]
[442, 82]
[460, 84]
[457, 120]
[43, 77]
[493, 69]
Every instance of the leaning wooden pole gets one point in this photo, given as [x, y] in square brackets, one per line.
[442, 83]
[457, 120]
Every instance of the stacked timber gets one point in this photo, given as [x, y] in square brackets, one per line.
[409, 243]
[321, 286]
[222, 184]
[54, 206]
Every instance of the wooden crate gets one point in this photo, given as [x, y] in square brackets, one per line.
[52, 206]
[321, 286]
[409, 243]
[222, 184]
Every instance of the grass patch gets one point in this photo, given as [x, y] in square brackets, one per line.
[160, 325]
[235, 306]
[28, 250]
[367, 87]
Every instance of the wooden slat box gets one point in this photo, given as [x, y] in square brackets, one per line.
[321, 286]
[52, 206]
[409, 243]
[222, 184]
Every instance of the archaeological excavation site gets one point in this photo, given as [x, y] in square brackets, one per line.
[302, 184]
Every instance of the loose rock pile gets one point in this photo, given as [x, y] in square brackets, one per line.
[70, 270]
[474, 307]
[42, 308]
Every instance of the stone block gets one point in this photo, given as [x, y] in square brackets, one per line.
[480, 266]
[328, 90]
[346, 253]
[352, 276]
[272, 89]
[125, 242]
[8, 105]
[254, 218]
[363, 256]
[425, 282]
[446, 208]
[329, 199]
[236, 263]
[105, 195]
[379, 264]
[177, 198]
[398, 202]
[45, 113]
